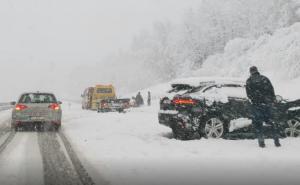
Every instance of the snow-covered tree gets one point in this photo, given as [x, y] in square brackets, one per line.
[170, 50]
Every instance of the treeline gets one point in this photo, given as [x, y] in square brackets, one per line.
[173, 49]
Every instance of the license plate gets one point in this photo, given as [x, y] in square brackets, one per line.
[35, 118]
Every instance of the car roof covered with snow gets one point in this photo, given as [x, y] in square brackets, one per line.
[219, 90]
[196, 81]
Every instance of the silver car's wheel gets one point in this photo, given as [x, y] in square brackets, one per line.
[214, 128]
[293, 129]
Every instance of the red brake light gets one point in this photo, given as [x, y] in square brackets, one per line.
[184, 101]
[20, 107]
[54, 106]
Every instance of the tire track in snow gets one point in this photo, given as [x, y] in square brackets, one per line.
[7, 141]
[81, 171]
[61, 164]
[4, 129]
[57, 168]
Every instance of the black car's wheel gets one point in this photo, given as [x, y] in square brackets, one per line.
[293, 127]
[213, 128]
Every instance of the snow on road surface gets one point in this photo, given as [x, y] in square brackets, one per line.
[4, 117]
[30, 157]
[20, 162]
[133, 149]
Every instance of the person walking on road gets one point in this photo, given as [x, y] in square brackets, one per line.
[149, 99]
[261, 93]
[139, 99]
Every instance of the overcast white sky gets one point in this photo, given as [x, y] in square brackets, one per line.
[37, 36]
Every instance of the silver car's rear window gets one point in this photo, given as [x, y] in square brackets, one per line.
[37, 98]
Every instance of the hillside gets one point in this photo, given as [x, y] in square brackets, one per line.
[277, 56]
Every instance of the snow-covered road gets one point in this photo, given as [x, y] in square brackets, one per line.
[20, 162]
[35, 158]
[133, 149]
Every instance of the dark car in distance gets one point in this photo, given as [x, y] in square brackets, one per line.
[221, 109]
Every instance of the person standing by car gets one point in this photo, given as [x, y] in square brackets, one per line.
[139, 99]
[261, 93]
[149, 99]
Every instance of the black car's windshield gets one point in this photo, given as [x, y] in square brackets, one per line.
[37, 98]
[196, 89]
[180, 87]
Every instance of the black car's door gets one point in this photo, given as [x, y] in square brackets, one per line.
[238, 105]
[238, 108]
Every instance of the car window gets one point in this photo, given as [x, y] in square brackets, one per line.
[104, 90]
[179, 87]
[196, 89]
[228, 90]
[37, 98]
[210, 88]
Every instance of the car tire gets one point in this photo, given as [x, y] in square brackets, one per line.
[213, 127]
[56, 128]
[40, 128]
[15, 128]
[292, 128]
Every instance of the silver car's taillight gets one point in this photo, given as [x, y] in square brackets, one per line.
[20, 107]
[54, 106]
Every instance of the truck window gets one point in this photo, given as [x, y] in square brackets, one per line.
[104, 91]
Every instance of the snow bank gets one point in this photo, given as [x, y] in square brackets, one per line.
[133, 149]
[277, 56]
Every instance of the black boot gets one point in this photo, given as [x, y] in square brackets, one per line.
[261, 144]
[277, 143]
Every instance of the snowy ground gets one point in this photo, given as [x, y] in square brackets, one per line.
[21, 163]
[133, 149]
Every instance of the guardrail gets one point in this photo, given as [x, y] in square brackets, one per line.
[5, 106]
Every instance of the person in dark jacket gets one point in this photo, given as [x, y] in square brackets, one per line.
[139, 99]
[149, 99]
[261, 93]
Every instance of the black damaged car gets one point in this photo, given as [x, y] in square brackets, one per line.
[221, 109]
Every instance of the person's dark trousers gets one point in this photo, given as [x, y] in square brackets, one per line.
[263, 113]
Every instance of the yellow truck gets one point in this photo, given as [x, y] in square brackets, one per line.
[92, 96]
[103, 99]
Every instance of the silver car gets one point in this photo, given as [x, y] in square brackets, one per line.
[40, 111]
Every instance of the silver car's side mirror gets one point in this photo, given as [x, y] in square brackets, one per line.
[13, 103]
[59, 102]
